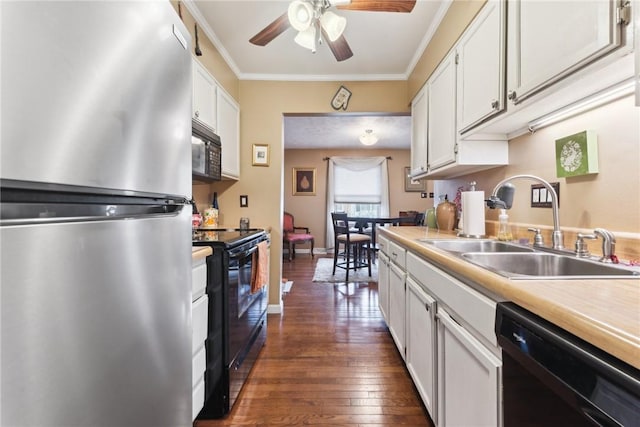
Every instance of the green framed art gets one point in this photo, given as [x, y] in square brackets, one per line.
[577, 154]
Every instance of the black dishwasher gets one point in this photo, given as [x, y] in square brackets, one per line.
[553, 378]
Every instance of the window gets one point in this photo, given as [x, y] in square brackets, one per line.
[358, 186]
[358, 192]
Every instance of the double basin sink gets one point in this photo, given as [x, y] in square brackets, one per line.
[516, 261]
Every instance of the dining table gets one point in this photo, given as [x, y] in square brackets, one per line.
[366, 225]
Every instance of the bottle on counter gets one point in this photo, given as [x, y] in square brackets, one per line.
[446, 214]
[214, 204]
[504, 229]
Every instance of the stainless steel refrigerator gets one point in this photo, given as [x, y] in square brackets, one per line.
[95, 235]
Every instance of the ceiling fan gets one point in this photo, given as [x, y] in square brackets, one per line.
[316, 24]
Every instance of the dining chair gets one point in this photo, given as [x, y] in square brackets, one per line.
[293, 235]
[354, 244]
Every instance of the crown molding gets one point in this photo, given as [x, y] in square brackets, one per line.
[442, 11]
[201, 21]
[197, 15]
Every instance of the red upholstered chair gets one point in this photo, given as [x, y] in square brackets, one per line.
[292, 235]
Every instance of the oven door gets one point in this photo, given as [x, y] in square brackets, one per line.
[245, 309]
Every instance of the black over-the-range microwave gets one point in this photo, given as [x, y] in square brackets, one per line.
[206, 153]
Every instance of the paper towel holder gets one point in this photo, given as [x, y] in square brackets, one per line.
[472, 187]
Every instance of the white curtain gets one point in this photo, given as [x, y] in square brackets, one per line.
[353, 190]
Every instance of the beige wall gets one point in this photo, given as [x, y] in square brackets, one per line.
[609, 199]
[211, 58]
[310, 211]
[262, 107]
[455, 21]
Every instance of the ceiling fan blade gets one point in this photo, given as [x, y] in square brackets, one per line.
[340, 47]
[271, 31]
[404, 6]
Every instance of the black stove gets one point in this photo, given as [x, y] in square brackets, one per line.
[237, 324]
[227, 237]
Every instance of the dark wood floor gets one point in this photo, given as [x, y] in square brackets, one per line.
[329, 360]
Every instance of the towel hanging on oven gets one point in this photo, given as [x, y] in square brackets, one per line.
[259, 271]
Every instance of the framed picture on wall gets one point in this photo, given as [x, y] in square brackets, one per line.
[304, 181]
[411, 184]
[260, 155]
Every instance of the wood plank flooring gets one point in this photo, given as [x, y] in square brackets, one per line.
[329, 361]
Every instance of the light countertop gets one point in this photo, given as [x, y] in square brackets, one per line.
[199, 252]
[603, 312]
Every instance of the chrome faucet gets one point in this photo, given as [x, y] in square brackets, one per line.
[608, 245]
[557, 237]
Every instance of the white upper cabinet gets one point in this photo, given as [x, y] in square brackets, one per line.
[441, 124]
[229, 131]
[481, 67]
[550, 40]
[204, 96]
[419, 133]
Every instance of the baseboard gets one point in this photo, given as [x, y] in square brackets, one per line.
[274, 308]
[316, 251]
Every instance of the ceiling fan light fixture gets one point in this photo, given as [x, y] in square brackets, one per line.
[368, 137]
[307, 38]
[300, 15]
[333, 25]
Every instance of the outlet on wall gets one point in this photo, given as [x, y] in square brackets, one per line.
[541, 198]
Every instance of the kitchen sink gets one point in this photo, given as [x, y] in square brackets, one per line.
[461, 246]
[536, 265]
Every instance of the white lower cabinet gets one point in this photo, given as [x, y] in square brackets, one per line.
[469, 378]
[451, 350]
[383, 285]
[421, 343]
[397, 306]
[200, 317]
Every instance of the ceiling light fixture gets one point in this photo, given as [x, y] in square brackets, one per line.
[307, 38]
[333, 25]
[308, 16]
[368, 137]
[300, 14]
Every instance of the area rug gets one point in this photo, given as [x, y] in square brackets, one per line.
[324, 267]
[286, 286]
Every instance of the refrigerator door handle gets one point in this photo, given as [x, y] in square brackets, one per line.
[13, 214]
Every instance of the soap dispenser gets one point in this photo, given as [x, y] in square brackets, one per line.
[504, 229]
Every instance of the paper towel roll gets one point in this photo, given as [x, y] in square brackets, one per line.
[473, 213]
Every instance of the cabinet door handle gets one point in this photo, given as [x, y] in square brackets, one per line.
[511, 95]
[426, 305]
[197, 113]
[495, 104]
